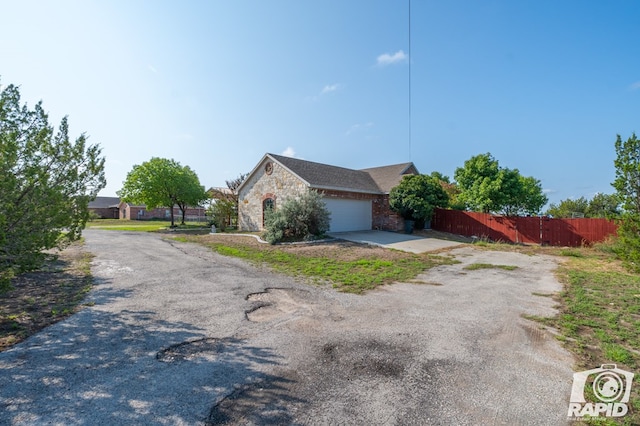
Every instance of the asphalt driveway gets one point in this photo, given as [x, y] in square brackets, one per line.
[180, 335]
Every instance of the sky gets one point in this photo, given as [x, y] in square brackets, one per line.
[543, 85]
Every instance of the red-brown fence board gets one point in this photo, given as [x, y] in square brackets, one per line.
[529, 230]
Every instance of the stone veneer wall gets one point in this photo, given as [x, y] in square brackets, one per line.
[280, 183]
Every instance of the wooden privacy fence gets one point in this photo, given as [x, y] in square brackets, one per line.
[529, 230]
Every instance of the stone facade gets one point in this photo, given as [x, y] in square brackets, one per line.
[270, 180]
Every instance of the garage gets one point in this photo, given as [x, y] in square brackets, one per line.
[349, 215]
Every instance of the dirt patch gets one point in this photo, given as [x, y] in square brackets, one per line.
[44, 297]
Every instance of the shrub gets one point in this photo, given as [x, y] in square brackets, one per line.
[303, 218]
[628, 247]
[416, 196]
[275, 225]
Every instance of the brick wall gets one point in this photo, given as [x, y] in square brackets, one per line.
[106, 212]
[141, 213]
[383, 218]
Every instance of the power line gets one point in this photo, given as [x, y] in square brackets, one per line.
[410, 60]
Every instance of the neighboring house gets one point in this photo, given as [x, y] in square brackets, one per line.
[105, 207]
[357, 199]
[140, 212]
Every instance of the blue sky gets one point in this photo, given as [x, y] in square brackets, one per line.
[544, 86]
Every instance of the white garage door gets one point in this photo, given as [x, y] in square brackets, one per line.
[349, 215]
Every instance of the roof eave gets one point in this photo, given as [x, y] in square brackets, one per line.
[341, 189]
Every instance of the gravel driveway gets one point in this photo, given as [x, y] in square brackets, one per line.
[180, 335]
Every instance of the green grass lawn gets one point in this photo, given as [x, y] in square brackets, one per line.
[141, 225]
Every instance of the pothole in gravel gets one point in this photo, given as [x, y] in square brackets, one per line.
[267, 401]
[191, 349]
[276, 303]
[366, 358]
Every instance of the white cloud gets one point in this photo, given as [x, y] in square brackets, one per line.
[329, 88]
[358, 127]
[393, 58]
[635, 86]
[289, 152]
[549, 191]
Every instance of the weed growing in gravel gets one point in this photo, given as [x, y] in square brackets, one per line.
[475, 266]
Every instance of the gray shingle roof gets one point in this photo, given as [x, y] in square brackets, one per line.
[104, 202]
[323, 176]
[389, 176]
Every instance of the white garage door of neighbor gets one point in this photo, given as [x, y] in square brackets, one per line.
[349, 215]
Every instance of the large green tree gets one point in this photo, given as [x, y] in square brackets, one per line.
[627, 185]
[569, 208]
[417, 196]
[160, 182]
[600, 206]
[487, 187]
[46, 183]
[604, 205]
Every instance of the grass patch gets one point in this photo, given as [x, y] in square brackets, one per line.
[371, 268]
[599, 318]
[476, 266]
[571, 253]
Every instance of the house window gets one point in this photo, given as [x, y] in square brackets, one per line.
[267, 204]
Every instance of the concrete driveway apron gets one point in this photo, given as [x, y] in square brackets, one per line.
[404, 242]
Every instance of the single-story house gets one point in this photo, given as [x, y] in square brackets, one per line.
[105, 207]
[357, 199]
[139, 212]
